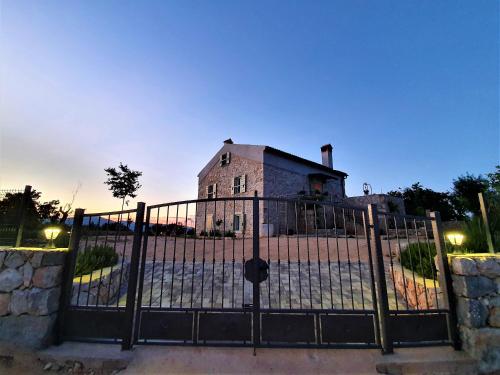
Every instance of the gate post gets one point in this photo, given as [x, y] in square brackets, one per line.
[132, 280]
[22, 215]
[256, 286]
[445, 281]
[69, 272]
[379, 273]
[486, 223]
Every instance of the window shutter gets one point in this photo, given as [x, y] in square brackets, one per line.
[215, 191]
[206, 190]
[232, 186]
[228, 157]
[220, 160]
[243, 183]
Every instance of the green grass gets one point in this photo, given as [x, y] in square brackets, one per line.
[94, 258]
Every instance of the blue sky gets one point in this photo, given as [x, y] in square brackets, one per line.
[405, 91]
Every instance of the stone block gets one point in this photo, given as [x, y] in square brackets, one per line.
[43, 301]
[464, 266]
[2, 257]
[26, 330]
[488, 267]
[494, 302]
[14, 259]
[494, 318]
[27, 272]
[4, 303]
[53, 258]
[10, 279]
[36, 259]
[47, 277]
[471, 313]
[19, 302]
[473, 286]
[483, 345]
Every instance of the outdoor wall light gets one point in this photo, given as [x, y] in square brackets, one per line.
[455, 238]
[51, 234]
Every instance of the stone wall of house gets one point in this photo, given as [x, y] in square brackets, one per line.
[476, 284]
[223, 177]
[30, 288]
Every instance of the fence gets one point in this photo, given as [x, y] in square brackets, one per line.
[254, 271]
[13, 220]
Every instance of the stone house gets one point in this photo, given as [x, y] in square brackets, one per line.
[240, 171]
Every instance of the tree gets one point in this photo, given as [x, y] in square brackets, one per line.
[494, 178]
[466, 189]
[418, 199]
[123, 182]
[35, 213]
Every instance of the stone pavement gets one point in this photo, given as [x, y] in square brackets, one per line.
[296, 285]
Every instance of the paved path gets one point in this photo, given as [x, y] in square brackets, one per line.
[217, 284]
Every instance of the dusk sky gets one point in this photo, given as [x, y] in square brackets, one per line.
[405, 91]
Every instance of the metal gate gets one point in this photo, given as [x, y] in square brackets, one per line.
[98, 305]
[255, 271]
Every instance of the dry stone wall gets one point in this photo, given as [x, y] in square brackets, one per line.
[476, 284]
[30, 288]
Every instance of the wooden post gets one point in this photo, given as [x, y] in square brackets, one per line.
[380, 282]
[445, 281]
[22, 215]
[486, 222]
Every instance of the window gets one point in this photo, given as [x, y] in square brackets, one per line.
[239, 185]
[225, 159]
[238, 222]
[212, 191]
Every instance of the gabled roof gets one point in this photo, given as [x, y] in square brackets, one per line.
[298, 159]
[256, 153]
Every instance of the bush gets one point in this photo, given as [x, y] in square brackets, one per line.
[475, 236]
[420, 259]
[229, 233]
[95, 258]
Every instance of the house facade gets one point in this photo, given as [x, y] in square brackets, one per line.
[240, 170]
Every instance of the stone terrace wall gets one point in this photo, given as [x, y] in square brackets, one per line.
[476, 283]
[30, 287]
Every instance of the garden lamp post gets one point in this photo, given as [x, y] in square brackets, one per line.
[51, 234]
[455, 238]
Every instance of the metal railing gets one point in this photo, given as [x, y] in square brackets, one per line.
[276, 271]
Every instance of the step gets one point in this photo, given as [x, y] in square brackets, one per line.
[104, 358]
[430, 360]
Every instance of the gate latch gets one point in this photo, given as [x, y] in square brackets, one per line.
[263, 270]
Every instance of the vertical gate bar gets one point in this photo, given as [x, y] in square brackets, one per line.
[366, 227]
[132, 280]
[445, 282]
[486, 223]
[141, 276]
[256, 287]
[382, 300]
[22, 215]
[69, 271]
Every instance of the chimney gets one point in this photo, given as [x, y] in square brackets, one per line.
[326, 155]
[228, 141]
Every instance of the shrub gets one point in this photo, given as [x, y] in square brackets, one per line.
[475, 236]
[229, 233]
[420, 258]
[94, 258]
